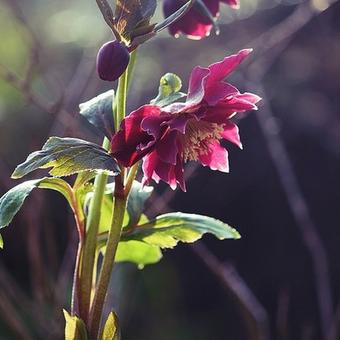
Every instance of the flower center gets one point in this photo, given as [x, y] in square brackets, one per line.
[198, 137]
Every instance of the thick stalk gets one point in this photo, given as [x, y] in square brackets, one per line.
[116, 223]
[108, 261]
[89, 249]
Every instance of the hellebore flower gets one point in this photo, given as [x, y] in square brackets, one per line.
[167, 137]
[112, 60]
[196, 23]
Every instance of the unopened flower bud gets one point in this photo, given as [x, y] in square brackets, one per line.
[112, 60]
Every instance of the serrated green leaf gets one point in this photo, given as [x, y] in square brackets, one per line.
[167, 230]
[12, 201]
[130, 14]
[98, 112]
[75, 328]
[138, 252]
[169, 90]
[67, 156]
[111, 328]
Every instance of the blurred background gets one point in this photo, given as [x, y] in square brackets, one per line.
[282, 279]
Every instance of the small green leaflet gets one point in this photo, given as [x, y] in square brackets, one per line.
[111, 328]
[169, 90]
[1, 242]
[75, 328]
[167, 230]
[67, 156]
[98, 111]
[12, 201]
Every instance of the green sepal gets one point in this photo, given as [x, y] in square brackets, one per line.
[75, 328]
[111, 329]
[98, 112]
[12, 200]
[169, 90]
[67, 156]
[167, 230]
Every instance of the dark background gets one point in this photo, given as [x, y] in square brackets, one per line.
[282, 279]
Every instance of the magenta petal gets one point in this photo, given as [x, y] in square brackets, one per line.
[222, 69]
[198, 79]
[149, 164]
[167, 148]
[240, 102]
[232, 3]
[125, 144]
[153, 124]
[179, 122]
[231, 134]
[218, 91]
[179, 173]
[217, 158]
[249, 97]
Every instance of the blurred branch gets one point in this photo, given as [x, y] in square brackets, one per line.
[281, 35]
[13, 321]
[254, 314]
[300, 211]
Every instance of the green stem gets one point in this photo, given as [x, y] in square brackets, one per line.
[121, 98]
[89, 249]
[118, 212]
[108, 261]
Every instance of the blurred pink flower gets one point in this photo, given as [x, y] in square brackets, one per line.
[167, 137]
[195, 24]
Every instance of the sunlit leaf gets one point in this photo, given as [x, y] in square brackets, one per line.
[67, 156]
[169, 90]
[98, 111]
[1, 242]
[74, 327]
[138, 252]
[111, 328]
[167, 230]
[12, 201]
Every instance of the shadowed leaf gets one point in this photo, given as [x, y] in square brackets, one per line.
[98, 112]
[12, 201]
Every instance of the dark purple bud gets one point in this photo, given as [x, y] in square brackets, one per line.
[112, 60]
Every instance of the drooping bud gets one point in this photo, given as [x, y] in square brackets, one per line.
[112, 60]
